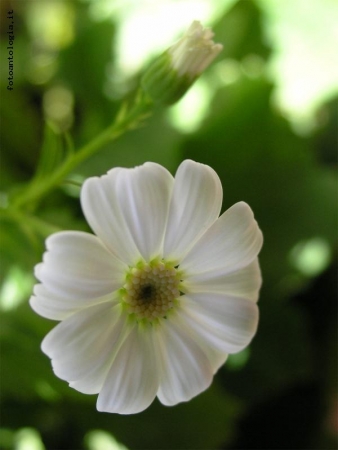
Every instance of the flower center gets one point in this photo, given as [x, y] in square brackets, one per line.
[151, 289]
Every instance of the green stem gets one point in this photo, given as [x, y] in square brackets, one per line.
[40, 226]
[125, 120]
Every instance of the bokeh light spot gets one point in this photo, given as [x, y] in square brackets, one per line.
[28, 439]
[311, 257]
[51, 23]
[188, 114]
[101, 440]
[58, 104]
[16, 287]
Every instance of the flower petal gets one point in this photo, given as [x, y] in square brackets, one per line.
[231, 243]
[133, 379]
[230, 321]
[243, 283]
[128, 208]
[59, 308]
[195, 205]
[210, 345]
[82, 347]
[77, 266]
[186, 370]
[99, 200]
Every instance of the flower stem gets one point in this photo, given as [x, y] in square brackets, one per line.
[126, 119]
[27, 222]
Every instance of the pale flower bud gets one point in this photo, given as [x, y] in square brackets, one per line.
[170, 76]
[195, 51]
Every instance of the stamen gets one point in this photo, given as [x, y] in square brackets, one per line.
[151, 289]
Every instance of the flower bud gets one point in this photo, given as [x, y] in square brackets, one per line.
[171, 74]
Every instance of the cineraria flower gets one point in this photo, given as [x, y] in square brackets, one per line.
[154, 303]
[170, 76]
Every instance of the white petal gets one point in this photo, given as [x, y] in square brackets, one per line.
[58, 308]
[231, 243]
[211, 345]
[186, 371]
[195, 205]
[93, 381]
[230, 321]
[82, 347]
[243, 283]
[99, 200]
[78, 266]
[133, 379]
[128, 208]
[144, 196]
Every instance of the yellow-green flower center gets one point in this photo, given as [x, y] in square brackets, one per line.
[151, 290]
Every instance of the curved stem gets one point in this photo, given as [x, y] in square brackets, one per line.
[126, 119]
[21, 218]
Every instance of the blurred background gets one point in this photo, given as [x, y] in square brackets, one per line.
[264, 116]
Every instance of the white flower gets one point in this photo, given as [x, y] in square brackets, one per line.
[154, 303]
[170, 75]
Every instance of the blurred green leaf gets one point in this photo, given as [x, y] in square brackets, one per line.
[240, 31]
[261, 161]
